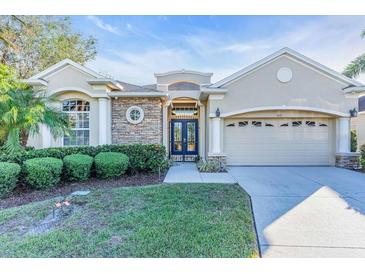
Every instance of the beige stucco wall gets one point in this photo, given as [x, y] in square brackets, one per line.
[179, 77]
[70, 83]
[69, 77]
[261, 88]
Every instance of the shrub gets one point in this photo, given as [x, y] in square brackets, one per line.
[77, 167]
[210, 166]
[8, 177]
[111, 164]
[362, 160]
[43, 172]
[353, 141]
[142, 158]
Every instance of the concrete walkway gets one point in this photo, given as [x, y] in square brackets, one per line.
[306, 211]
[188, 173]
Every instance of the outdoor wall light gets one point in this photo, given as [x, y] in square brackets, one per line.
[217, 113]
[353, 112]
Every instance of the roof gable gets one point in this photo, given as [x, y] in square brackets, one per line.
[295, 55]
[61, 65]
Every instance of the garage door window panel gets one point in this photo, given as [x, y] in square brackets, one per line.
[310, 123]
[243, 124]
[257, 123]
[296, 123]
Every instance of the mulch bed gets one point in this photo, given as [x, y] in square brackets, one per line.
[24, 194]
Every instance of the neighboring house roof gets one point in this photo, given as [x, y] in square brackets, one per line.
[151, 86]
[294, 54]
[62, 64]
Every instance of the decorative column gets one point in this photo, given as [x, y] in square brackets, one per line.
[103, 121]
[46, 136]
[215, 150]
[344, 157]
[344, 142]
[202, 153]
[215, 135]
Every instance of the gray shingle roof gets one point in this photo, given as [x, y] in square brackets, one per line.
[134, 88]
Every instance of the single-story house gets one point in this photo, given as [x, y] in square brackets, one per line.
[285, 109]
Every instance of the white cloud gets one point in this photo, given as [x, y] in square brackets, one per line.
[102, 25]
[244, 47]
[332, 41]
[138, 68]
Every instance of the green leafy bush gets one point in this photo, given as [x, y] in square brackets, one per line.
[8, 177]
[353, 141]
[142, 158]
[111, 164]
[210, 166]
[77, 167]
[43, 172]
[362, 160]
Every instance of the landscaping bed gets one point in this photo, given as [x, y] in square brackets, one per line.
[24, 194]
[179, 220]
[38, 174]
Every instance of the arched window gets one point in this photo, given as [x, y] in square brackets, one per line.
[78, 112]
[184, 86]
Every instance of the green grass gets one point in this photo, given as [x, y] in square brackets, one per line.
[183, 220]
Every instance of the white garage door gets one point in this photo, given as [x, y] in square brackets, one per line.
[278, 141]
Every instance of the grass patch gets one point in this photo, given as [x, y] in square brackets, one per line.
[182, 220]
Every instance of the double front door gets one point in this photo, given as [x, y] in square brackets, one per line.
[184, 139]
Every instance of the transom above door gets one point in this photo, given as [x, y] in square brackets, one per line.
[184, 139]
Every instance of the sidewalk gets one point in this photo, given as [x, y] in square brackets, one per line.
[188, 173]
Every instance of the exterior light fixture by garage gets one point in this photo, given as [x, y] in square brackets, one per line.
[353, 112]
[134, 115]
[217, 113]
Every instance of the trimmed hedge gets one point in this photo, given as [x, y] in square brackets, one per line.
[8, 177]
[111, 164]
[142, 158]
[77, 167]
[43, 172]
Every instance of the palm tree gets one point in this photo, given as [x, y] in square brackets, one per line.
[357, 66]
[23, 110]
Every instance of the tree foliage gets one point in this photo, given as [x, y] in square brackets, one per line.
[23, 110]
[357, 65]
[30, 44]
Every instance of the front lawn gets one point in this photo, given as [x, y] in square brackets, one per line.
[182, 220]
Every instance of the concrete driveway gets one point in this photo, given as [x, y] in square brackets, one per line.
[306, 211]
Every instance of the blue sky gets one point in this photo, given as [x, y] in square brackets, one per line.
[132, 48]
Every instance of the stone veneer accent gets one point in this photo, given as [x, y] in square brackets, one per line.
[220, 158]
[348, 160]
[149, 131]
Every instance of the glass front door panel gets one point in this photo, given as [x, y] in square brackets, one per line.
[184, 137]
[178, 144]
[191, 138]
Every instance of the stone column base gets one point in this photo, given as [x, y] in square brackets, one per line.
[350, 160]
[220, 158]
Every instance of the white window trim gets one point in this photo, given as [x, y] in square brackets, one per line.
[76, 112]
[128, 113]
